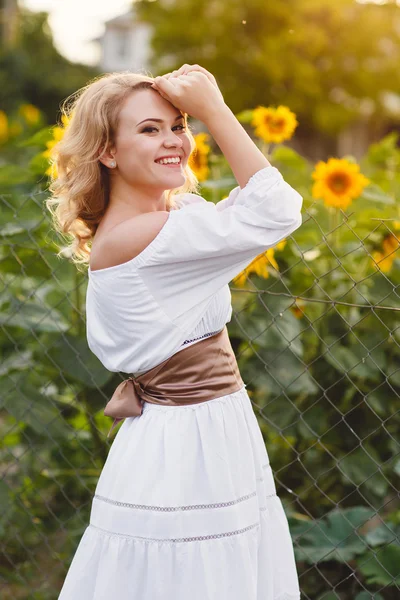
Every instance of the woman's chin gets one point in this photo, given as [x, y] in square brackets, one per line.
[178, 176]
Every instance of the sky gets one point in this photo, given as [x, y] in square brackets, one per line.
[75, 22]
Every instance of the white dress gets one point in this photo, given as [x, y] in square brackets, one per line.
[186, 505]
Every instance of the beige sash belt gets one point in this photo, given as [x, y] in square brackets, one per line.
[203, 371]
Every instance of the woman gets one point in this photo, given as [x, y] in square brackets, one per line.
[186, 505]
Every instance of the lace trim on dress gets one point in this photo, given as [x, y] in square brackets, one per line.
[200, 337]
[189, 539]
[174, 508]
[187, 507]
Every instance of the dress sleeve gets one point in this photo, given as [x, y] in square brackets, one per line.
[203, 245]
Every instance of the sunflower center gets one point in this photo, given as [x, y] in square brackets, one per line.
[275, 124]
[338, 182]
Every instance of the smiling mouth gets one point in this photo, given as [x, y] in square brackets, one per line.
[173, 165]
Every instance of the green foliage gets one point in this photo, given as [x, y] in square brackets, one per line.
[332, 538]
[324, 383]
[382, 568]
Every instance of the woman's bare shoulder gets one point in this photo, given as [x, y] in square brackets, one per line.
[126, 240]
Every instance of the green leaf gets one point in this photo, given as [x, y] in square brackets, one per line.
[22, 401]
[289, 158]
[374, 193]
[20, 361]
[10, 229]
[23, 226]
[72, 356]
[362, 468]
[383, 291]
[332, 538]
[394, 376]
[6, 505]
[39, 165]
[13, 175]
[386, 533]
[285, 373]
[39, 138]
[355, 359]
[368, 596]
[245, 116]
[384, 149]
[343, 359]
[314, 422]
[33, 317]
[381, 567]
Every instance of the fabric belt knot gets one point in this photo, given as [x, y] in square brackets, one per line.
[125, 401]
[203, 371]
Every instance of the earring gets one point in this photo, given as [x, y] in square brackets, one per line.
[113, 164]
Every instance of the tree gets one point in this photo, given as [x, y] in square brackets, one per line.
[323, 59]
[33, 71]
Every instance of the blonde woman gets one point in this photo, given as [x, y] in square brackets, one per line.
[186, 505]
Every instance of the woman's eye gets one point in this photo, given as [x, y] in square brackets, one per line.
[155, 128]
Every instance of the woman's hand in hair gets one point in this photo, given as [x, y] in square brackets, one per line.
[185, 69]
[193, 93]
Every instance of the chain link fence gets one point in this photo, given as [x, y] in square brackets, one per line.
[318, 344]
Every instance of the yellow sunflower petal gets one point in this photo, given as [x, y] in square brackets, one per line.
[381, 262]
[3, 127]
[270, 257]
[240, 279]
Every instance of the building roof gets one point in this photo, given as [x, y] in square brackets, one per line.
[124, 19]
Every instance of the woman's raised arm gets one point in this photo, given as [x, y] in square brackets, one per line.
[198, 94]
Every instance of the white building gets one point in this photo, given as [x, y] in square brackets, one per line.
[125, 44]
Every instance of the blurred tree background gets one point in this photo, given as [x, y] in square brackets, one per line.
[316, 56]
[333, 63]
[32, 71]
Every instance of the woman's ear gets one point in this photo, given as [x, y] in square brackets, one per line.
[107, 157]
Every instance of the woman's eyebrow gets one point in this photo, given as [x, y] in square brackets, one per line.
[160, 120]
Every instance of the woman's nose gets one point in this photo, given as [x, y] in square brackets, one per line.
[173, 140]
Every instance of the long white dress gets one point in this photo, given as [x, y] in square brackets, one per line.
[186, 505]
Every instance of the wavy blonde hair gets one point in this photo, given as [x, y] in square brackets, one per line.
[79, 181]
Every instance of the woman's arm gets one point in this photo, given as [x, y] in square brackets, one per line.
[242, 154]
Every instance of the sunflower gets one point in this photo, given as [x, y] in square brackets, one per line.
[58, 134]
[260, 265]
[30, 113]
[384, 259]
[198, 160]
[338, 182]
[274, 124]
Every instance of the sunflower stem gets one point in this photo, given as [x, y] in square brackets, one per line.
[334, 220]
[337, 230]
[265, 149]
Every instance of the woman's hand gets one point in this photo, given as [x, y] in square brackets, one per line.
[194, 93]
[185, 69]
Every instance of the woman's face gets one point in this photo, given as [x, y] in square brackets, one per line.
[140, 142]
